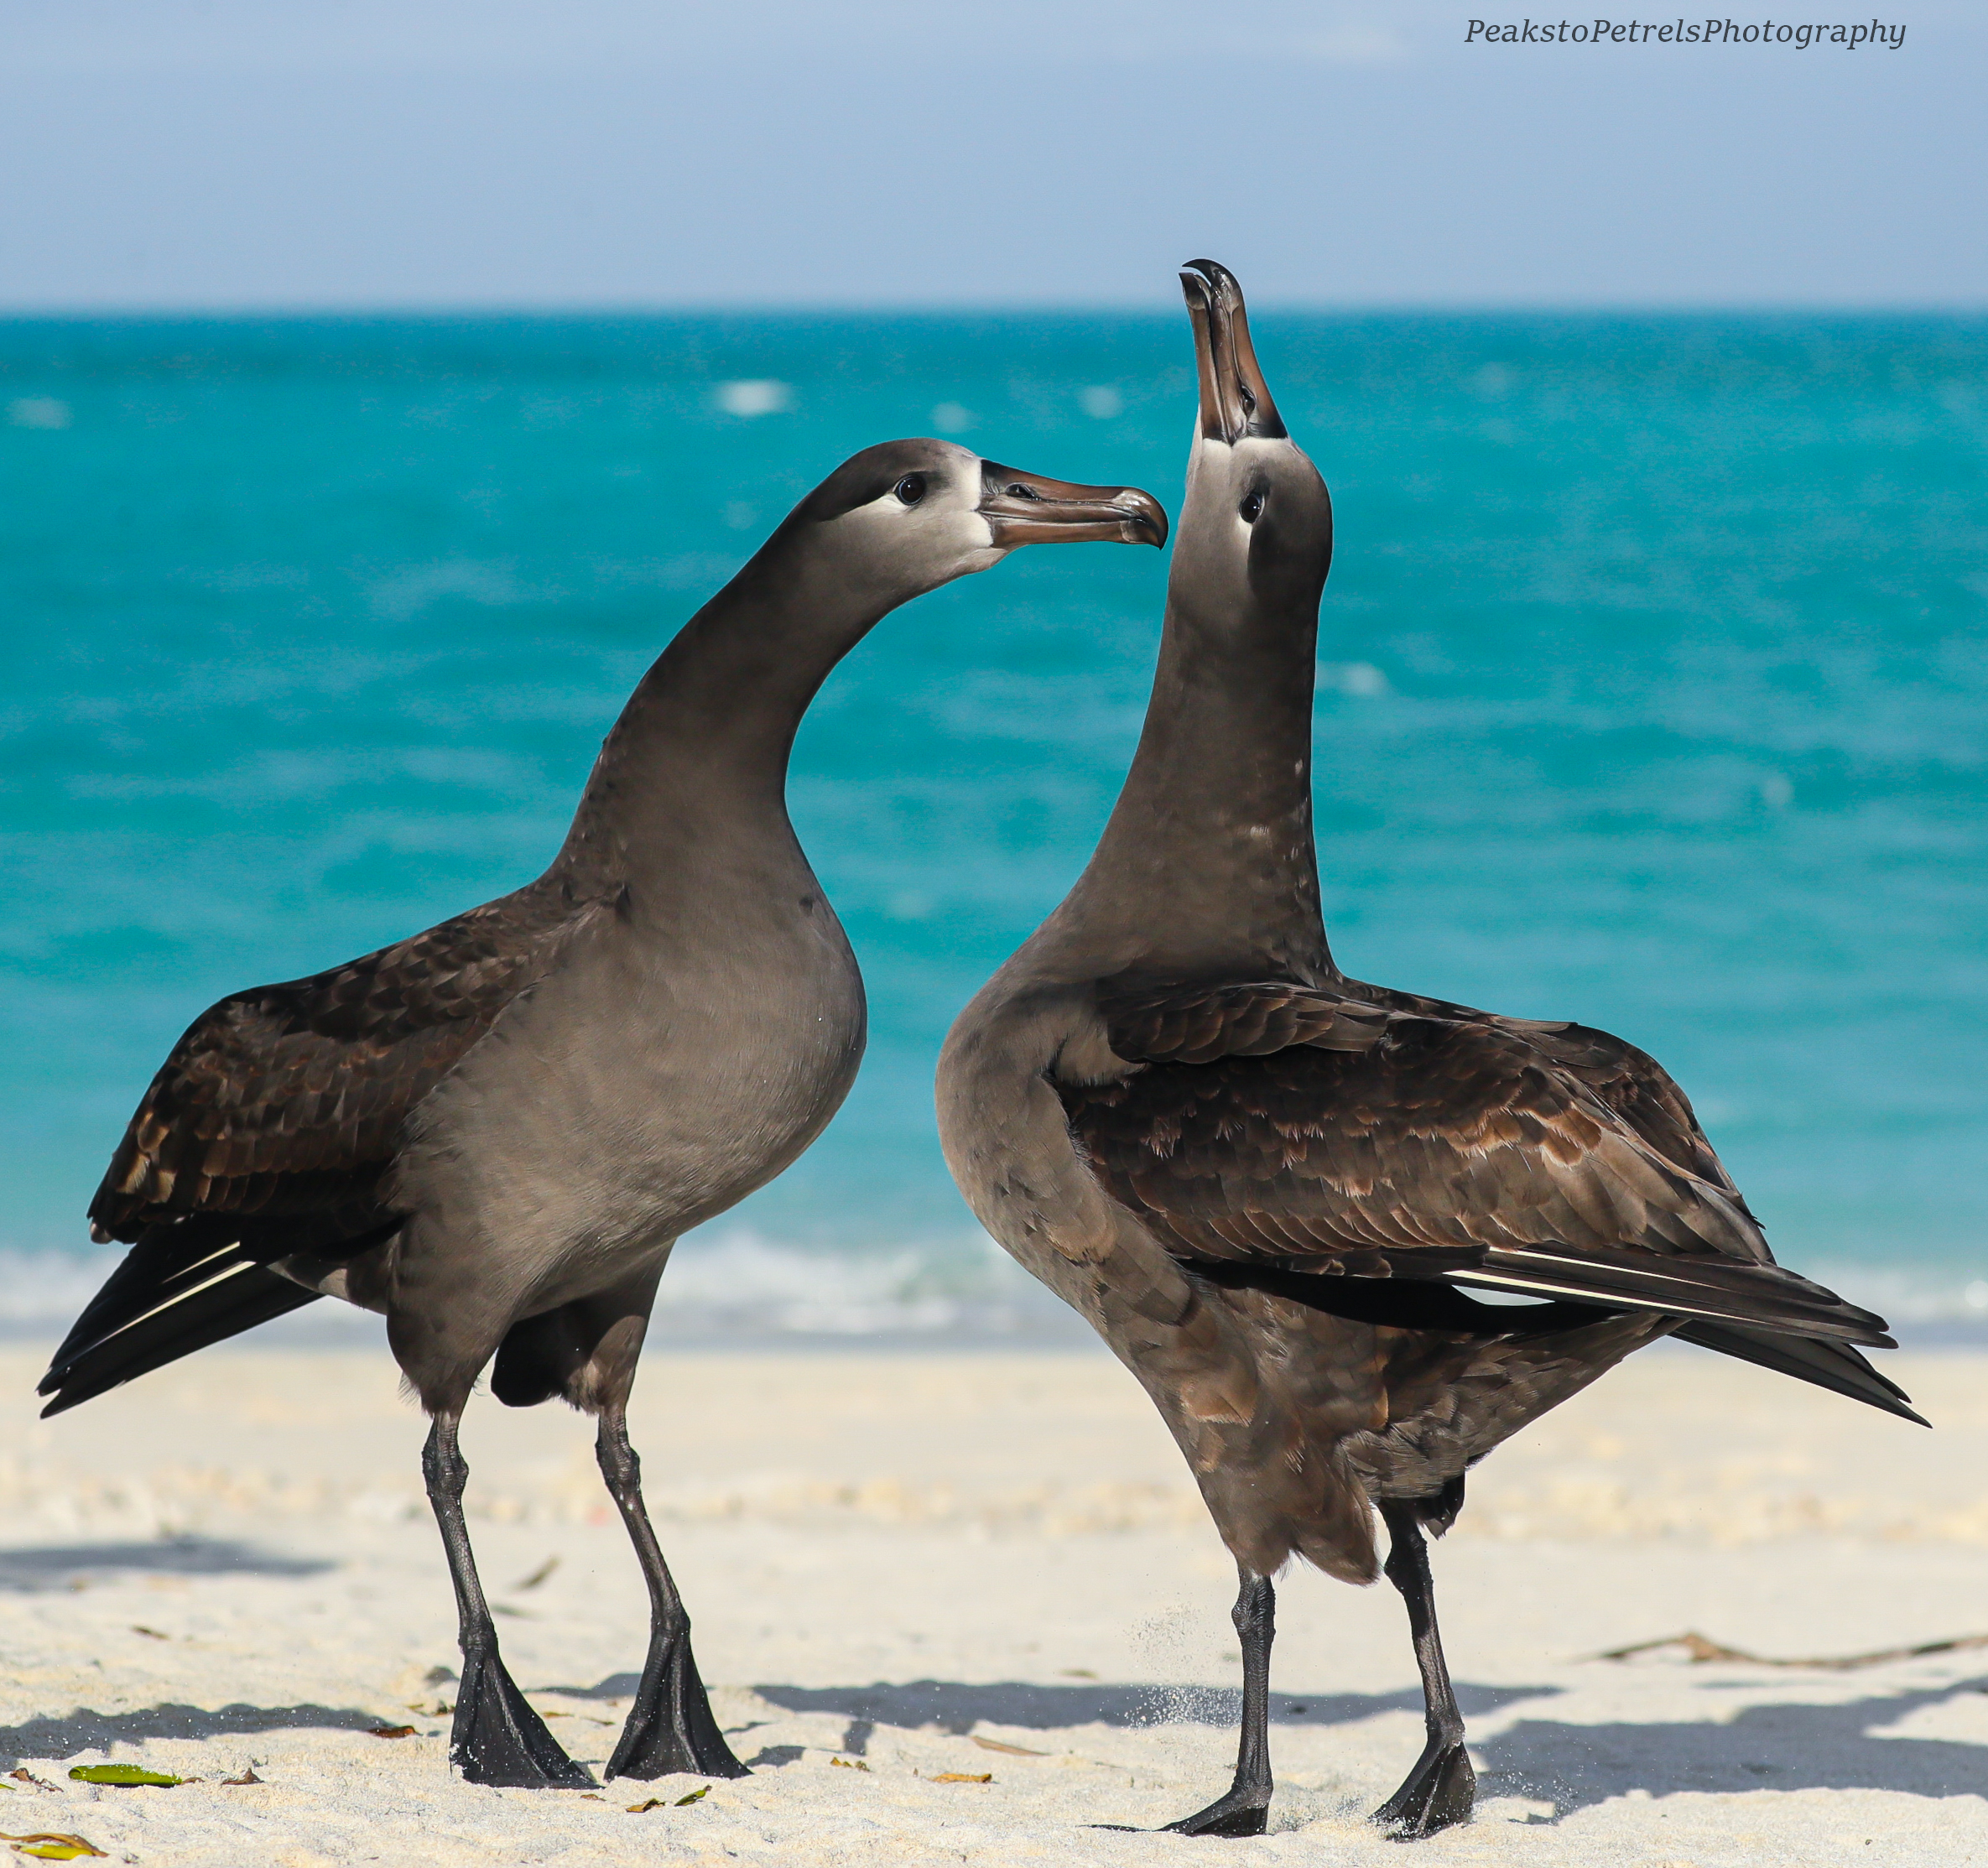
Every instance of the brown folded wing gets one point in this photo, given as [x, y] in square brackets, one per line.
[1631, 1082]
[1327, 1132]
[291, 1099]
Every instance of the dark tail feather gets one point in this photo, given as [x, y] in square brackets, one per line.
[165, 1263]
[179, 1289]
[1727, 1293]
[1829, 1365]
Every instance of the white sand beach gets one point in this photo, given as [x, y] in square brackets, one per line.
[905, 1568]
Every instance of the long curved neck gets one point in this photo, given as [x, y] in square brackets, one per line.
[698, 759]
[1207, 865]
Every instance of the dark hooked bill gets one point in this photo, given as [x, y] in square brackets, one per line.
[1026, 509]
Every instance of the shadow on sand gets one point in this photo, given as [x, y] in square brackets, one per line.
[1785, 1746]
[950, 1707]
[88, 1730]
[62, 1566]
[1575, 1766]
[1771, 1747]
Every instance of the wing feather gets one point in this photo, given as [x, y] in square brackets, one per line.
[287, 1098]
[1326, 1131]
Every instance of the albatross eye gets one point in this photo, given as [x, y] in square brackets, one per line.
[911, 489]
[1252, 509]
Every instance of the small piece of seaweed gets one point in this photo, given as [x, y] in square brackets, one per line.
[663, 1802]
[49, 1845]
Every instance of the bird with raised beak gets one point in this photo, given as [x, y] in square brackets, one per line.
[1273, 1188]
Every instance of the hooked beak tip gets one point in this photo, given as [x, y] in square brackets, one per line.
[1235, 401]
[1027, 509]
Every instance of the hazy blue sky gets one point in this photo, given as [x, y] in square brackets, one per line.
[273, 152]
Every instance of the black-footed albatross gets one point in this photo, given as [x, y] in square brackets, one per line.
[493, 1132]
[1264, 1183]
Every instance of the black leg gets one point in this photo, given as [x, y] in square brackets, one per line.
[670, 1727]
[498, 1738]
[1245, 1807]
[1442, 1788]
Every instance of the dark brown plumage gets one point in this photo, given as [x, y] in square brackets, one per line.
[255, 1175]
[1322, 1131]
[292, 1099]
[493, 1133]
[1272, 1188]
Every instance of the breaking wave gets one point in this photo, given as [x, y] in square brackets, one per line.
[734, 1286]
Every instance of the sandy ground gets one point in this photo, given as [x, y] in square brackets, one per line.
[908, 1565]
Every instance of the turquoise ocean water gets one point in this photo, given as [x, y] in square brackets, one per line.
[1654, 693]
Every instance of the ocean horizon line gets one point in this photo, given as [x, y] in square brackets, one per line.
[1159, 309]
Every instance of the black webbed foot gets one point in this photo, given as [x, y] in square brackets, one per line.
[1240, 1812]
[1244, 1808]
[670, 1728]
[498, 1739]
[1440, 1792]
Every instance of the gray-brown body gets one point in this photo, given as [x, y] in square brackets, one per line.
[1293, 1420]
[682, 1054]
[493, 1132]
[1269, 1186]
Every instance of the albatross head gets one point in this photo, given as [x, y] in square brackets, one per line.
[1256, 529]
[906, 516]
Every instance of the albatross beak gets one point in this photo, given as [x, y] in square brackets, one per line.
[1235, 401]
[1026, 509]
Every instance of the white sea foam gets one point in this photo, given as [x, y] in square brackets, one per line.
[739, 1282]
[736, 1284]
[1912, 1296]
[404, 594]
[1361, 680]
[39, 412]
[43, 1292]
[733, 1284]
[754, 396]
[46, 1289]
